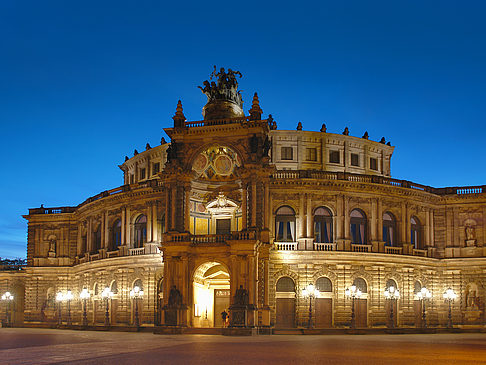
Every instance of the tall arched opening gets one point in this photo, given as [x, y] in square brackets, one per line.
[211, 294]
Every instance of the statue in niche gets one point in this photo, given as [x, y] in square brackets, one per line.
[472, 299]
[175, 298]
[470, 233]
[52, 248]
[266, 146]
[241, 297]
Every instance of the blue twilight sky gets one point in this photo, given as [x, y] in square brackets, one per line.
[84, 83]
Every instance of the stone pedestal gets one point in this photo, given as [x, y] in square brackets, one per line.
[470, 243]
[472, 316]
[238, 316]
[174, 317]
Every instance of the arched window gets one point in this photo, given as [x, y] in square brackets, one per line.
[114, 287]
[389, 229]
[323, 225]
[360, 284]
[323, 284]
[390, 283]
[285, 284]
[417, 287]
[358, 226]
[97, 239]
[116, 234]
[140, 231]
[285, 224]
[415, 235]
[138, 283]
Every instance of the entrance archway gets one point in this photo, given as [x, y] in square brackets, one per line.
[211, 291]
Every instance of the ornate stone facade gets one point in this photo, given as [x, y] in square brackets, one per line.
[233, 208]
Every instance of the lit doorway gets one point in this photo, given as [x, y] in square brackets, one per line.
[211, 288]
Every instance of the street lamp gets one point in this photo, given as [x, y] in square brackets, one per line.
[423, 295]
[7, 297]
[59, 299]
[69, 296]
[84, 296]
[136, 293]
[107, 294]
[392, 295]
[311, 292]
[449, 296]
[354, 293]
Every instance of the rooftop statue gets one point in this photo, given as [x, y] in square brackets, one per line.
[225, 88]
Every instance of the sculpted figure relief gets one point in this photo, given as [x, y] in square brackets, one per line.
[470, 232]
[226, 87]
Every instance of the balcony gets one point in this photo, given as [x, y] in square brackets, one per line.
[359, 247]
[393, 250]
[286, 246]
[324, 246]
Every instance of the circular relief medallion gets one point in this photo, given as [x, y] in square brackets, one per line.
[200, 163]
[223, 165]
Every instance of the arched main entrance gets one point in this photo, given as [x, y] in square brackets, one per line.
[211, 294]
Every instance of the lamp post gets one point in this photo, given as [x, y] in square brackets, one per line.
[84, 296]
[392, 295]
[59, 299]
[136, 293]
[353, 292]
[68, 297]
[311, 292]
[423, 295]
[449, 297]
[107, 294]
[8, 298]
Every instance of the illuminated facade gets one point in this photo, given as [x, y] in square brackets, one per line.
[234, 214]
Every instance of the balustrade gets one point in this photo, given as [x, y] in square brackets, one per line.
[286, 246]
[324, 246]
[393, 250]
[136, 251]
[358, 247]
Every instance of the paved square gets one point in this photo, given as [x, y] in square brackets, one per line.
[44, 346]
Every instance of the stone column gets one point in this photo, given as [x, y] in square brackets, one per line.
[89, 235]
[128, 239]
[403, 230]
[187, 208]
[427, 228]
[301, 216]
[149, 222]
[166, 208]
[266, 211]
[310, 226]
[253, 203]
[79, 250]
[123, 229]
[155, 233]
[107, 231]
[173, 198]
[244, 209]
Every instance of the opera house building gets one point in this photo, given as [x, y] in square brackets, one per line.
[237, 224]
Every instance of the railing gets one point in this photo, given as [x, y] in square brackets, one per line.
[94, 257]
[393, 250]
[418, 252]
[286, 246]
[207, 123]
[347, 176]
[58, 210]
[318, 246]
[359, 247]
[136, 251]
[210, 238]
[110, 254]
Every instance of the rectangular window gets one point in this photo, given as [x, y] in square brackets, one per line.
[373, 164]
[334, 156]
[354, 159]
[223, 226]
[156, 168]
[132, 178]
[287, 153]
[311, 154]
[142, 174]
